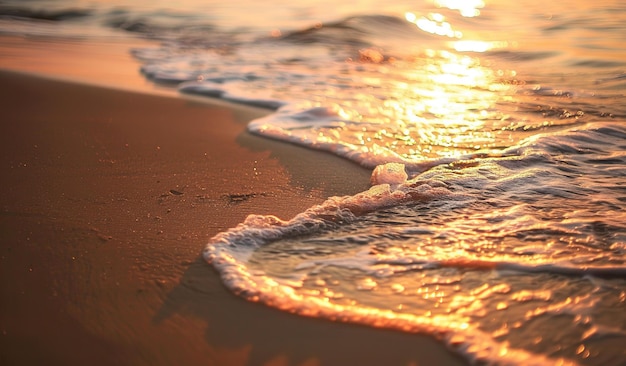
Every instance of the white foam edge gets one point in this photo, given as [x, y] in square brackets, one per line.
[221, 91]
[228, 252]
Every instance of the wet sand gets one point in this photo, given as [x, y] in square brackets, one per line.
[107, 198]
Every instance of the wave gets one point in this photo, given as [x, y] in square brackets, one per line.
[483, 232]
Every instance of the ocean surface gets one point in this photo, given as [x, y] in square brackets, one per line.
[496, 135]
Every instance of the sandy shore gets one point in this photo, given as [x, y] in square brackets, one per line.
[107, 198]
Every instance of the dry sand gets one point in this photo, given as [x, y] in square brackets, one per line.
[108, 196]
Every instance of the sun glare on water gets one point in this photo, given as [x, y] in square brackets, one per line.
[467, 8]
[451, 111]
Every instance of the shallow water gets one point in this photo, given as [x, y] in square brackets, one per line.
[498, 227]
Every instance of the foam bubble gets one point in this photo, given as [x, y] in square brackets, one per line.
[390, 173]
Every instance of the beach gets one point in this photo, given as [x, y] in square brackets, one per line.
[111, 188]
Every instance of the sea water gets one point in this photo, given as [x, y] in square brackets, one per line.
[496, 135]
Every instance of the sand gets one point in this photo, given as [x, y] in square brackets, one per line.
[109, 191]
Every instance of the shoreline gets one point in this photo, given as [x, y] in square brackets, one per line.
[108, 198]
[107, 64]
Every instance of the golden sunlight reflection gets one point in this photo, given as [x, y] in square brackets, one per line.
[460, 70]
[478, 46]
[443, 103]
[449, 112]
[467, 8]
[435, 24]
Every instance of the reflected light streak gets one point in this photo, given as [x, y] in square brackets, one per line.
[434, 24]
[462, 71]
[442, 105]
[467, 8]
[478, 46]
[447, 116]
